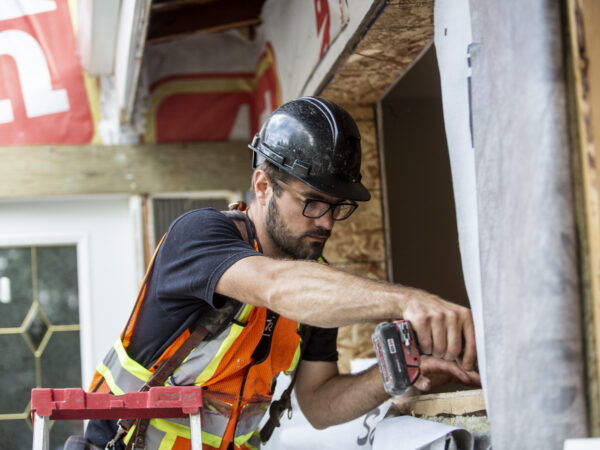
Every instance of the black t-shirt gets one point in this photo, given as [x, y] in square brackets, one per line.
[199, 247]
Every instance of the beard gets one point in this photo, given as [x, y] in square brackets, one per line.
[289, 245]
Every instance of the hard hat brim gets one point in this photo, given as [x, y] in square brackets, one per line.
[343, 190]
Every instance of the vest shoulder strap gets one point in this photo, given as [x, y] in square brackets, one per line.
[245, 226]
[239, 218]
[210, 324]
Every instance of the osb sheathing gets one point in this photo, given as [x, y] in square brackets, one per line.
[362, 77]
[389, 46]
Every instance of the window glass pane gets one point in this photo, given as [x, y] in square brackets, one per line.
[35, 329]
[57, 284]
[16, 435]
[62, 351]
[15, 264]
[17, 374]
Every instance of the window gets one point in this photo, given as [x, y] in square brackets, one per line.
[39, 336]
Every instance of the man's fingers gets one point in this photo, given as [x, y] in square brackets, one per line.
[423, 383]
[423, 330]
[441, 328]
[454, 337]
[475, 378]
[470, 355]
[438, 331]
[463, 376]
[430, 365]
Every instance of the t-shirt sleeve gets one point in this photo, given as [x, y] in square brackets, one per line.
[322, 345]
[199, 247]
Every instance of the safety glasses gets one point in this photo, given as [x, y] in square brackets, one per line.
[313, 209]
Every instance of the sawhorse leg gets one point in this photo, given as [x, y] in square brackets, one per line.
[41, 433]
[196, 430]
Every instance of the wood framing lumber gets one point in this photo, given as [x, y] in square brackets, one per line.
[448, 403]
[136, 169]
[584, 86]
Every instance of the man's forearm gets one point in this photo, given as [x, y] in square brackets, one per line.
[313, 293]
[328, 398]
[342, 398]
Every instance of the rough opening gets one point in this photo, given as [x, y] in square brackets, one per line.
[421, 232]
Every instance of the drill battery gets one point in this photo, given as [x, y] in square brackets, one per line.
[397, 355]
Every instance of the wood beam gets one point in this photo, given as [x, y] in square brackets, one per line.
[584, 50]
[137, 169]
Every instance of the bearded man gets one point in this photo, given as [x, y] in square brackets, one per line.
[306, 177]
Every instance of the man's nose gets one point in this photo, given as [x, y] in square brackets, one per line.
[325, 221]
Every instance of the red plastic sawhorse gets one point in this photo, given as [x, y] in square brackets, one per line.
[76, 404]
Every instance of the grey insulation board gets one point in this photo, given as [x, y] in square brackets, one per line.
[527, 241]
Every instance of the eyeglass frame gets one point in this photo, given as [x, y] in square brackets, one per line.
[307, 201]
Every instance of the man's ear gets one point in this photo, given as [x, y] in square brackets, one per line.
[262, 187]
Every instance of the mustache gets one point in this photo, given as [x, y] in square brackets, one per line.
[318, 232]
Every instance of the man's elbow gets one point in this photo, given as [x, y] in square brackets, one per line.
[319, 418]
[319, 427]
[317, 422]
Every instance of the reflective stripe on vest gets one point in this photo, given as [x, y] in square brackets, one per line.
[123, 374]
[254, 442]
[162, 435]
[205, 358]
[296, 359]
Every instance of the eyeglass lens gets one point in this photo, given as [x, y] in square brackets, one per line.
[315, 209]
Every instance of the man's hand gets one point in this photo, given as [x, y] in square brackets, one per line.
[441, 327]
[436, 372]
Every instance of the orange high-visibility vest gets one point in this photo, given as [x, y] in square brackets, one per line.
[237, 389]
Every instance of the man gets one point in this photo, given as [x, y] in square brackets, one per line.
[307, 176]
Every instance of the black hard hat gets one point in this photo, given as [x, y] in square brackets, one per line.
[317, 142]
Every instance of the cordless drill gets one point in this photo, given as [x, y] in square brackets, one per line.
[397, 355]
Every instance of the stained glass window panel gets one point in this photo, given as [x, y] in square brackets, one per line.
[39, 337]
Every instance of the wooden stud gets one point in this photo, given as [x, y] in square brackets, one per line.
[584, 51]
